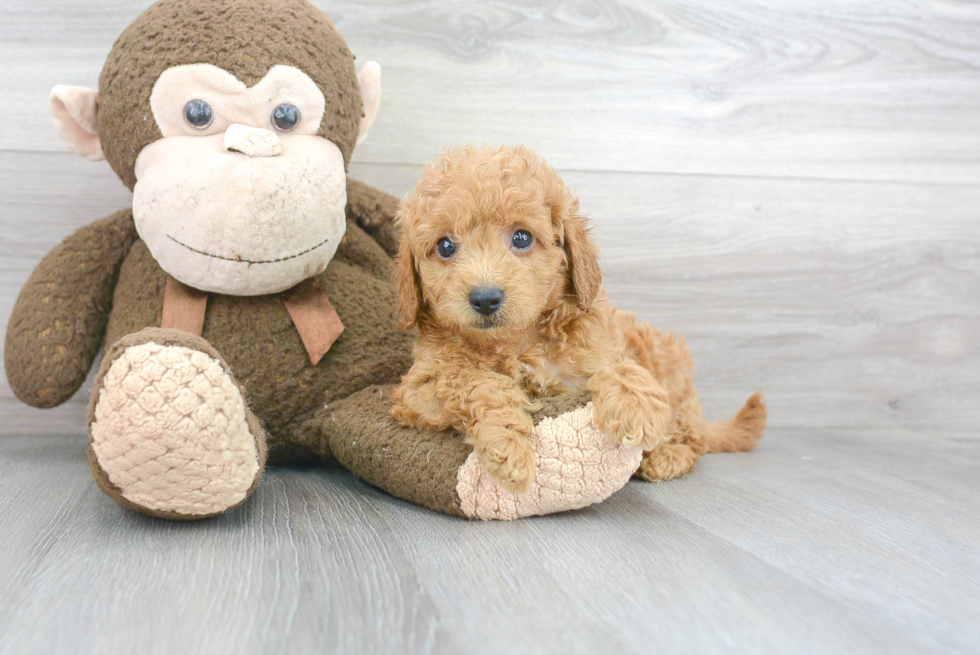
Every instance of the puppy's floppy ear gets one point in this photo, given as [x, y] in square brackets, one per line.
[573, 232]
[583, 260]
[409, 285]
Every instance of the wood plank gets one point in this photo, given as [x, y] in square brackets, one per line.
[301, 568]
[850, 303]
[884, 522]
[621, 576]
[829, 89]
[818, 542]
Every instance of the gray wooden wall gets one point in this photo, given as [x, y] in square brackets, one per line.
[793, 185]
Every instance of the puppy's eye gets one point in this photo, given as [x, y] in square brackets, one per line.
[285, 117]
[199, 114]
[522, 240]
[446, 248]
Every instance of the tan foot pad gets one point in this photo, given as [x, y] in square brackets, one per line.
[577, 466]
[170, 431]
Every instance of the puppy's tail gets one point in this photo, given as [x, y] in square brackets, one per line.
[741, 432]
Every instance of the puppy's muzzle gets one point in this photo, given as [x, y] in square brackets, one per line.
[486, 300]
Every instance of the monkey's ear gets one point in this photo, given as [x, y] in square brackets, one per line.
[75, 112]
[369, 79]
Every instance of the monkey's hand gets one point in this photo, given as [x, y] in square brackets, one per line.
[373, 210]
[60, 317]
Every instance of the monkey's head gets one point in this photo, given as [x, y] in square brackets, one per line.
[233, 122]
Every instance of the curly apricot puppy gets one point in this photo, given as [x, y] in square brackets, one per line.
[497, 271]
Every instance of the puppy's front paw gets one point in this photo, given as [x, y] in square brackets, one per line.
[631, 407]
[511, 460]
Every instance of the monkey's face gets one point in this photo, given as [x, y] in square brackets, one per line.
[234, 138]
[240, 196]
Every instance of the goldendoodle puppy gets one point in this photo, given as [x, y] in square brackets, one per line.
[497, 270]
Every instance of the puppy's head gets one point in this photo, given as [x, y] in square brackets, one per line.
[491, 241]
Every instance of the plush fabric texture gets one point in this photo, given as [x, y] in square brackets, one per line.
[171, 433]
[75, 110]
[369, 81]
[373, 206]
[424, 467]
[282, 387]
[233, 103]
[171, 33]
[59, 319]
[252, 142]
[413, 465]
[248, 225]
[577, 466]
[194, 450]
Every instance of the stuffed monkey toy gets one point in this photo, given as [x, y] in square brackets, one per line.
[245, 303]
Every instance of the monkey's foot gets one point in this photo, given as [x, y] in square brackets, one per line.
[171, 434]
[576, 467]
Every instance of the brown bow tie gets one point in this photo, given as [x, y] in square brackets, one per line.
[315, 318]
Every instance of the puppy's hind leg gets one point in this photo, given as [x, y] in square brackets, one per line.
[692, 436]
[680, 453]
[631, 406]
[666, 462]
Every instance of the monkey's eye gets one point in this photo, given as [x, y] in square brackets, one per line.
[522, 239]
[199, 114]
[285, 117]
[446, 248]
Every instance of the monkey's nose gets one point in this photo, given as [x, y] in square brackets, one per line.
[252, 141]
[486, 300]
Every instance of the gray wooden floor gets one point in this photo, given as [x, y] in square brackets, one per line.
[794, 185]
[819, 542]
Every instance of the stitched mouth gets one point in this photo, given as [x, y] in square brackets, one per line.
[249, 261]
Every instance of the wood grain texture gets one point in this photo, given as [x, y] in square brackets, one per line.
[811, 88]
[852, 302]
[819, 542]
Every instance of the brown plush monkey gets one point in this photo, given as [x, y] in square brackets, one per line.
[245, 302]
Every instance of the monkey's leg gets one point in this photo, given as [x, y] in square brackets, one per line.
[170, 432]
[576, 465]
[373, 210]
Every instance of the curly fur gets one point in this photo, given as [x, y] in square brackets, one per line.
[555, 329]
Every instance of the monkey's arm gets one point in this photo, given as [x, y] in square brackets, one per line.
[60, 317]
[373, 210]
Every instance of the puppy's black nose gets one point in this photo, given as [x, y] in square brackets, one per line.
[486, 300]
